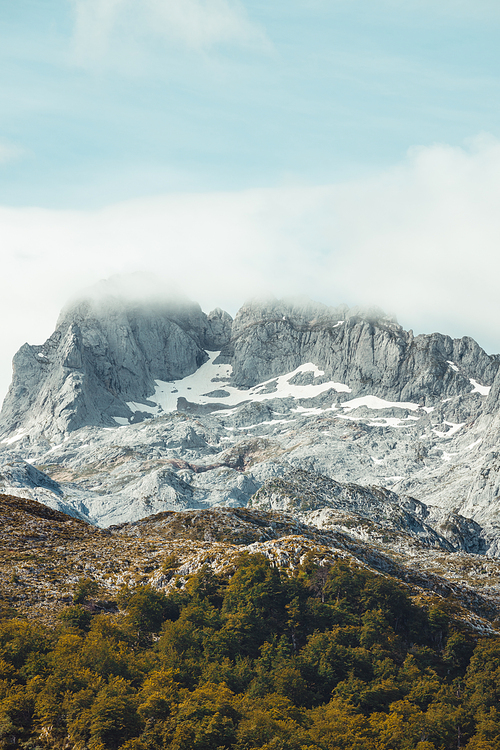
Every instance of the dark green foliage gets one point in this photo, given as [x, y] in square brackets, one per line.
[148, 609]
[113, 714]
[76, 617]
[85, 588]
[23, 644]
[254, 604]
[332, 658]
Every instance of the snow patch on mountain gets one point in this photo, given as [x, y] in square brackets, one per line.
[196, 388]
[374, 402]
[18, 435]
[452, 429]
[484, 390]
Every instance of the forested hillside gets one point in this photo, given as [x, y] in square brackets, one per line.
[321, 658]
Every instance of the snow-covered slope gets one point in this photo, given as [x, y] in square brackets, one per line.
[210, 386]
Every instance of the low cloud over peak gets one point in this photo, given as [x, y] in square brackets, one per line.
[420, 239]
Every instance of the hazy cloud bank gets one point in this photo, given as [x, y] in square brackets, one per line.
[420, 240]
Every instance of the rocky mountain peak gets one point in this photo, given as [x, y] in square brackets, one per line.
[361, 347]
[114, 344]
[108, 349]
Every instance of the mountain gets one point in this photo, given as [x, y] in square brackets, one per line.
[104, 359]
[363, 349]
[140, 403]
[281, 528]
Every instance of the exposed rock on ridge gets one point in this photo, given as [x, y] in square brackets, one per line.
[323, 502]
[45, 553]
[366, 350]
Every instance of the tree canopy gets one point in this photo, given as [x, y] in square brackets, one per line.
[335, 658]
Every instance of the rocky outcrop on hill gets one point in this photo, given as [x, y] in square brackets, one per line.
[45, 554]
[323, 502]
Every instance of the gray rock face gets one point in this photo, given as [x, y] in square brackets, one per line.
[462, 533]
[368, 351]
[218, 332]
[20, 479]
[105, 352]
[19, 474]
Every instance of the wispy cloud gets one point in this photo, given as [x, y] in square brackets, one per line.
[201, 24]
[196, 24]
[94, 22]
[10, 151]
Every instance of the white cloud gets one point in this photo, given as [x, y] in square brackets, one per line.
[196, 24]
[203, 23]
[10, 152]
[94, 21]
[421, 240]
[425, 236]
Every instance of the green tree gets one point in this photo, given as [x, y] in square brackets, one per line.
[85, 588]
[254, 603]
[113, 715]
[206, 720]
[76, 617]
[147, 609]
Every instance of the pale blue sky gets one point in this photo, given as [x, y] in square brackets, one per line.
[348, 150]
[133, 102]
